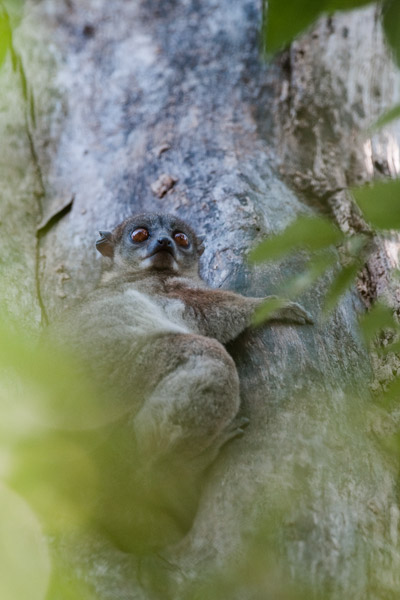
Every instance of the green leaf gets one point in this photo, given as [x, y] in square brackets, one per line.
[309, 233]
[42, 387]
[54, 471]
[391, 395]
[5, 34]
[333, 5]
[14, 7]
[390, 442]
[355, 244]
[395, 347]
[267, 309]
[316, 268]
[379, 317]
[391, 26]
[24, 556]
[284, 20]
[341, 283]
[380, 203]
[387, 117]
[354, 251]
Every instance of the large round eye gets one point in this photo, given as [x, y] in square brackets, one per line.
[140, 235]
[181, 239]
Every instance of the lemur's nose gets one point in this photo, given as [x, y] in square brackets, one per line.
[164, 242]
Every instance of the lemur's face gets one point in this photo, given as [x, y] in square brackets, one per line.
[150, 241]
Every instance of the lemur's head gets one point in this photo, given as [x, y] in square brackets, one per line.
[152, 242]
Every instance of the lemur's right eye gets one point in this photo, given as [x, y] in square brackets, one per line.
[140, 235]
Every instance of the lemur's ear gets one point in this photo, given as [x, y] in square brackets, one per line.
[200, 244]
[105, 244]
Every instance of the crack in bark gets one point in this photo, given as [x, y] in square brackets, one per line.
[42, 229]
[30, 124]
[46, 224]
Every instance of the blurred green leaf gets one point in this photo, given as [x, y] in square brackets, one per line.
[354, 251]
[5, 34]
[13, 6]
[355, 245]
[42, 387]
[380, 203]
[283, 21]
[14, 9]
[267, 309]
[341, 283]
[59, 477]
[379, 317]
[24, 558]
[333, 5]
[316, 268]
[308, 233]
[260, 574]
[391, 26]
[64, 587]
[391, 398]
[395, 347]
[387, 117]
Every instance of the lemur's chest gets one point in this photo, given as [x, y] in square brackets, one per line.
[174, 308]
[154, 312]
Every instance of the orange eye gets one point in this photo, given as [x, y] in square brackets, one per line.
[140, 235]
[181, 239]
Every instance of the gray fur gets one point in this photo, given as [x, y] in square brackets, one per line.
[151, 335]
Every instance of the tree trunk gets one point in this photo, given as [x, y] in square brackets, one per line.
[152, 87]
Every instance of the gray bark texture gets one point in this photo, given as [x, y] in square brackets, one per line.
[128, 91]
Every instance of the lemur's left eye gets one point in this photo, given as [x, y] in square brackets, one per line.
[140, 235]
[181, 239]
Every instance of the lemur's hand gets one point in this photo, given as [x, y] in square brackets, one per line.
[292, 312]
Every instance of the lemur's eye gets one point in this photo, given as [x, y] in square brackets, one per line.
[181, 239]
[140, 235]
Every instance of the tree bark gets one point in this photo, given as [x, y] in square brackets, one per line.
[153, 87]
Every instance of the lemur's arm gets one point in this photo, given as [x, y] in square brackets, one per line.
[224, 315]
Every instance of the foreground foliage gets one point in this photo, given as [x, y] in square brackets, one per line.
[50, 479]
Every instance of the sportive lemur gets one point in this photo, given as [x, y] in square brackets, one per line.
[152, 336]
